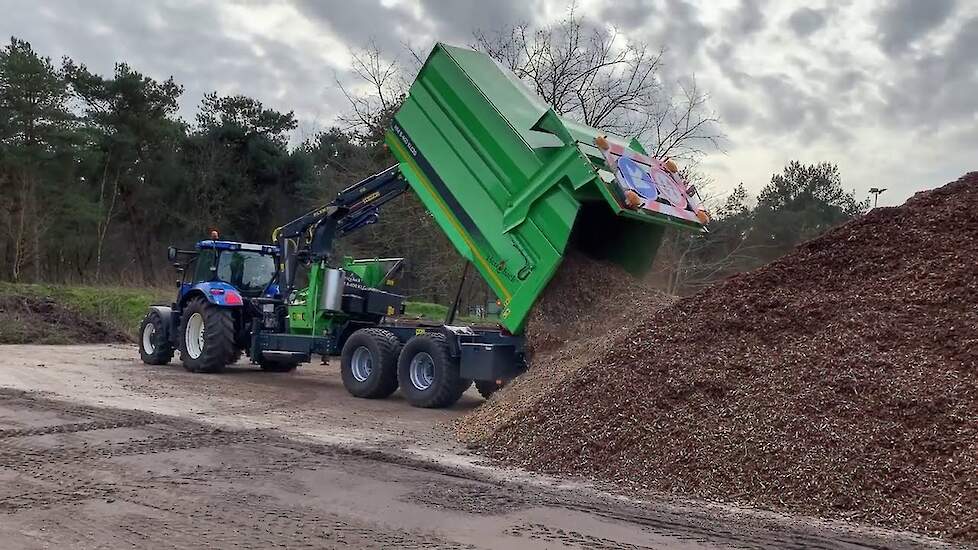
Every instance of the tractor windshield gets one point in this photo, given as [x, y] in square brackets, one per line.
[249, 272]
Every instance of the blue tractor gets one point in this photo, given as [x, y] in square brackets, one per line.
[221, 286]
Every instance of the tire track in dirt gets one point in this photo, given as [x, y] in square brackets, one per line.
[74, 428]
[136, 479]
[223, 521]
[262, 523]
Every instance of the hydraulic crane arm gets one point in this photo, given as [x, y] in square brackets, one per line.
[311, 235]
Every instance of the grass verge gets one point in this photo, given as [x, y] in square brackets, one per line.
[120, 308]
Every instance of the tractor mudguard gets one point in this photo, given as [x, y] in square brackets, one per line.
[216, 292]
[166, 315]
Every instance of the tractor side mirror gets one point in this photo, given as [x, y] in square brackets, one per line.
[171, 254]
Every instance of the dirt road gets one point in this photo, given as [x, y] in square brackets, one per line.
[100, 451]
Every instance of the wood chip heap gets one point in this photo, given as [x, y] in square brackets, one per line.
[840, 380]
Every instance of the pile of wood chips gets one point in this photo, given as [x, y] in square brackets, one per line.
[840, 380]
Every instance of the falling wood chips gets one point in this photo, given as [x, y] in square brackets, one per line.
[585, 308]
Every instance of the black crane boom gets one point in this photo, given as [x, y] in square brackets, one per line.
[310, 236]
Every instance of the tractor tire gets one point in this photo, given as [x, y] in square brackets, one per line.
[429, 374]
[277, 366]
[212, 330]
[488, 387]
[154, 346]
[368, 363]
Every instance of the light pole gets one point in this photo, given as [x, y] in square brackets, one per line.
[876, 191]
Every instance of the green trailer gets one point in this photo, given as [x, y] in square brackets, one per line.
[511, 183]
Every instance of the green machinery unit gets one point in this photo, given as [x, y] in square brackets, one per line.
[512, 183]
[310, 314]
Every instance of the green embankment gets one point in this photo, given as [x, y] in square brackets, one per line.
[40, 313]
[60, 314]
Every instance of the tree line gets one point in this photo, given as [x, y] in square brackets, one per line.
[98, 173]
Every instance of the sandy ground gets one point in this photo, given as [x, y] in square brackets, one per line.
[98, 450]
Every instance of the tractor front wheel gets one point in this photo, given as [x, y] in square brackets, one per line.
[207, 337]
[154, 346]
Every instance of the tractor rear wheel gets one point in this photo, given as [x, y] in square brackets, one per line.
[428, 373]
[154, 346]
[368, 363]
[207, 337]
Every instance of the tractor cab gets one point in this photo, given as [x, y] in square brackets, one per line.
[249, 268]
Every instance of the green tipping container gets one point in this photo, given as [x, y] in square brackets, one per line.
[513, 184]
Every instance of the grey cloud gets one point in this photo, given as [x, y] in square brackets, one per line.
[740, 25]
[938, 89]
[848, 80]
[733, 112]
[628, 15]
[178, 39]
[672, 25]
[902, 22]
[455, 21]
[685, 34]
[721, 52]
[805, 21]
[788, 108]
[748, 19]
[363, 21]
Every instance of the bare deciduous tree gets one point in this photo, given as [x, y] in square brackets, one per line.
[605, 80]
[380, 86]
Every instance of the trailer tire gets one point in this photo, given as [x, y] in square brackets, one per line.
[429, 374]
[488, 387]
[368, 363]
[154, 345]
[213, 328]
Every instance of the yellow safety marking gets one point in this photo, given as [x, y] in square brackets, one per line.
[451, 217]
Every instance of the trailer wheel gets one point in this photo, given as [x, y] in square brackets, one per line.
[428, 373]
[206, 337]
[368, 363]
[154, 346]
[488, 387]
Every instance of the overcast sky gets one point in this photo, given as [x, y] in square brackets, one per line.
[887, 89]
